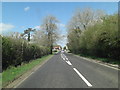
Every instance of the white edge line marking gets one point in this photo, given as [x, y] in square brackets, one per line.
[82, 77]
[99, 63]
[23, 80]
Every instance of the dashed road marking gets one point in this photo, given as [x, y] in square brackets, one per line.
[83, 78]
[69, 63]
[67, 58]
[80, 75]
[62, 57]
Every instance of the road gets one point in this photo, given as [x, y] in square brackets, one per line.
[68, 71]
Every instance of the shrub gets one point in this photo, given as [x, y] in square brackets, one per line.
[17, 51]
[101, 39]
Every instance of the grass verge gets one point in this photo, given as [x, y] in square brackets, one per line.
[0, 81]
[107, 60]
[12, 73]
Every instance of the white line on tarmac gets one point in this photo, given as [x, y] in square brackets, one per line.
[62, 57]
[69, 63]
[23, 79]
[80, 75]
[87, 59]
[65, 57]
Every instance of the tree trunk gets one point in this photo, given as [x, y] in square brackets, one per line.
[28, 36]
[51, 49]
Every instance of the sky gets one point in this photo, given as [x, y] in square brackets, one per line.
[18, 16]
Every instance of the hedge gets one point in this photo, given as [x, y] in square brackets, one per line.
[18, 51]
[100, 40]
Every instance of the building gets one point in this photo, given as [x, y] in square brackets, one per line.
[57, 47]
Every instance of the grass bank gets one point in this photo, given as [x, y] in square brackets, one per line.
[0, 81]
[107, 60]
[12, 73]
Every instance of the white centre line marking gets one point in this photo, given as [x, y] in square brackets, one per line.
[66, 58]
[63, 54]
[82, 77]
[69, 63]
[62, 57]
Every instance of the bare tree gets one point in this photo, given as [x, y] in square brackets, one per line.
[80, 21]
[85, 17]
[40, 38]
[50, 28]
[15, 35]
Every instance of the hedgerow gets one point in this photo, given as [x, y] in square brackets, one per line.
[18, 51]
[101, 39]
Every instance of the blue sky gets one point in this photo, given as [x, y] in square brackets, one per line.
[19, 16]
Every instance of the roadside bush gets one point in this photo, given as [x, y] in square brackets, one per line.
[17, 51]
[101, 39]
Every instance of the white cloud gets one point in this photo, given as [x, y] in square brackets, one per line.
[26, 8]
[37, 27]
[5, 27]
[63, 40]
[61, 25]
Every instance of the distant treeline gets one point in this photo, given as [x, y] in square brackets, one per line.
[101, 39]
[17, 51]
